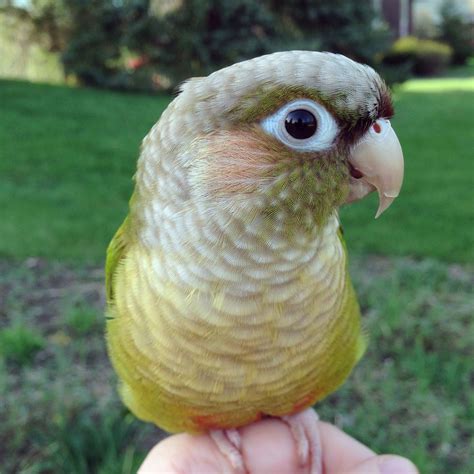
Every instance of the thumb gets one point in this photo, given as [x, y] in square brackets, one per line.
[385, 464]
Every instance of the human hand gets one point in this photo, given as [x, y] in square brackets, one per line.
[269, 447]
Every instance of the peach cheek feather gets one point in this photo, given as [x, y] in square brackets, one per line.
[234, 163]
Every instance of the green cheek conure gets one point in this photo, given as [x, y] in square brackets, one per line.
[229, 297]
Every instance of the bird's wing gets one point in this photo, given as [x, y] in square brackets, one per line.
[115, 253]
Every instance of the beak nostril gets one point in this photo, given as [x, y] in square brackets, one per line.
[377, 128]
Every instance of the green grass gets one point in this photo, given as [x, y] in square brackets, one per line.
[434, 215]
[411, 394]
[66, 161]
[81, 318]
[68, 156]
[59, 410]
[19, 343]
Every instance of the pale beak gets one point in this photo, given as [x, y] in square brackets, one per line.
[377, 163]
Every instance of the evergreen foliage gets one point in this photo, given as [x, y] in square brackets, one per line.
[204, 35]
[139, 44]
[103, 33]
[422, 57]
[93, 50]
[456, 32]
[349, 27]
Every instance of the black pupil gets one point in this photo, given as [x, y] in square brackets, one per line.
[301, 124]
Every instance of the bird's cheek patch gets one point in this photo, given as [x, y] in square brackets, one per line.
[231, 163]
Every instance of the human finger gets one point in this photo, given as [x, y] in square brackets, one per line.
[344, 454]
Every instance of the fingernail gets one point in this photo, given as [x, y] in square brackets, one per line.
[396, 465]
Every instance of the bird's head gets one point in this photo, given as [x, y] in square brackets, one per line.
[289, 136]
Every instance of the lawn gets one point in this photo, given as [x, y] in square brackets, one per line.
[68, 155]
[66, 161]
[412, 393]
[434, 215]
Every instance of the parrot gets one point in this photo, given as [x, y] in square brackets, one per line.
[228, 292]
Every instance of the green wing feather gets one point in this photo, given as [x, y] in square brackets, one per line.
[115, 253]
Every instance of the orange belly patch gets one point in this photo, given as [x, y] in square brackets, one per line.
[306, 402]
[218, 422]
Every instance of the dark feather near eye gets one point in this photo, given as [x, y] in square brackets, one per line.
[385, 106]
[352, 132]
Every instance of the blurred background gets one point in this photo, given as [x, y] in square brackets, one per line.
[81, 83]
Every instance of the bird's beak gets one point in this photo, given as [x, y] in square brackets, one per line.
[376, 162]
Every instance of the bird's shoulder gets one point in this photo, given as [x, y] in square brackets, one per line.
[116, 252]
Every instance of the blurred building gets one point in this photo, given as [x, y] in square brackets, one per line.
[418, 17]
[398, 14]
[426, 14]
[162, 7]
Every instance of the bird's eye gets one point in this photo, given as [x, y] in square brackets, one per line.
[303, 125]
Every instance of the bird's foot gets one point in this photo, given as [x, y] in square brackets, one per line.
[304, 426]
[305, 430]
[229, 444]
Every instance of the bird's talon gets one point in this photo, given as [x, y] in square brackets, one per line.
[229, 444]
[305, 430]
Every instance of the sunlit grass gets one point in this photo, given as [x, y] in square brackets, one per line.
[68, 157]
[439, 85]
[434, 214]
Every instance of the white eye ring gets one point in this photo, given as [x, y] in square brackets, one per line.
[322, 139]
